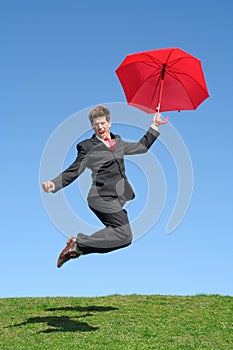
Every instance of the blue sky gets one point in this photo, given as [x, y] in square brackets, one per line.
[58, 58]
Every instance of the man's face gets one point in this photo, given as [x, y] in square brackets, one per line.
[101, 127]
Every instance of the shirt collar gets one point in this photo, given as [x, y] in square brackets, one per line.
[102, 139]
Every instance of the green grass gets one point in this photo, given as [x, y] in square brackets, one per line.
[117, 323]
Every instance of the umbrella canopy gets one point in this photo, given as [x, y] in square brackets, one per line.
[163, 80]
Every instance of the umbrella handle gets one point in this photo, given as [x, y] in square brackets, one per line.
[165, 121]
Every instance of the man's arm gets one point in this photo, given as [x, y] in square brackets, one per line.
[146, 141]
[70, 174]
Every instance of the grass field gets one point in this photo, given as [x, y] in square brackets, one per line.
[117, 323]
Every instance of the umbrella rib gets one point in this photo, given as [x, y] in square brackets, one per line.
[180, 59]
[155, 60]
[149, 77]
[178, 79]
[147, 64]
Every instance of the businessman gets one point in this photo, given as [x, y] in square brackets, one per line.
[104, 155]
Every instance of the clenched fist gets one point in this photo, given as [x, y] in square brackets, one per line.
[48, 186]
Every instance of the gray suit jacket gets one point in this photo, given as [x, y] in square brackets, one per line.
[108, 168]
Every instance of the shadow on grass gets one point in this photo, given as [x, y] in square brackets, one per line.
[84, 308]
[60, 324]
[66, 323]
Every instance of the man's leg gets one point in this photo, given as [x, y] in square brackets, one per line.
[117, 233]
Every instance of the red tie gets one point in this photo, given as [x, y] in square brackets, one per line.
[112, 143]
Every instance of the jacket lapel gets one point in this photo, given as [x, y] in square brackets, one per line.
[95, 141]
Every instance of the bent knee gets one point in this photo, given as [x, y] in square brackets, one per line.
[128, 237]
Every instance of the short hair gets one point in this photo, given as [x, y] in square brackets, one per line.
[99, 111]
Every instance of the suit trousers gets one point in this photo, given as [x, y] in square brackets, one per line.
[117, 232]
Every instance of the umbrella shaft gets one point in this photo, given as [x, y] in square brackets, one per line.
[160, 94]
[161, 86]
[163, 71]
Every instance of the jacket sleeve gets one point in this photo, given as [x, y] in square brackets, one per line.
[143, 145]
[73, 171]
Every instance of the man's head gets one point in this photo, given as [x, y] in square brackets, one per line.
[100, 121]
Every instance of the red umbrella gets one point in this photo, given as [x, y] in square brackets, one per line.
[163, 80]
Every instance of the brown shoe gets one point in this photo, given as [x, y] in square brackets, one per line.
[69, 252]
